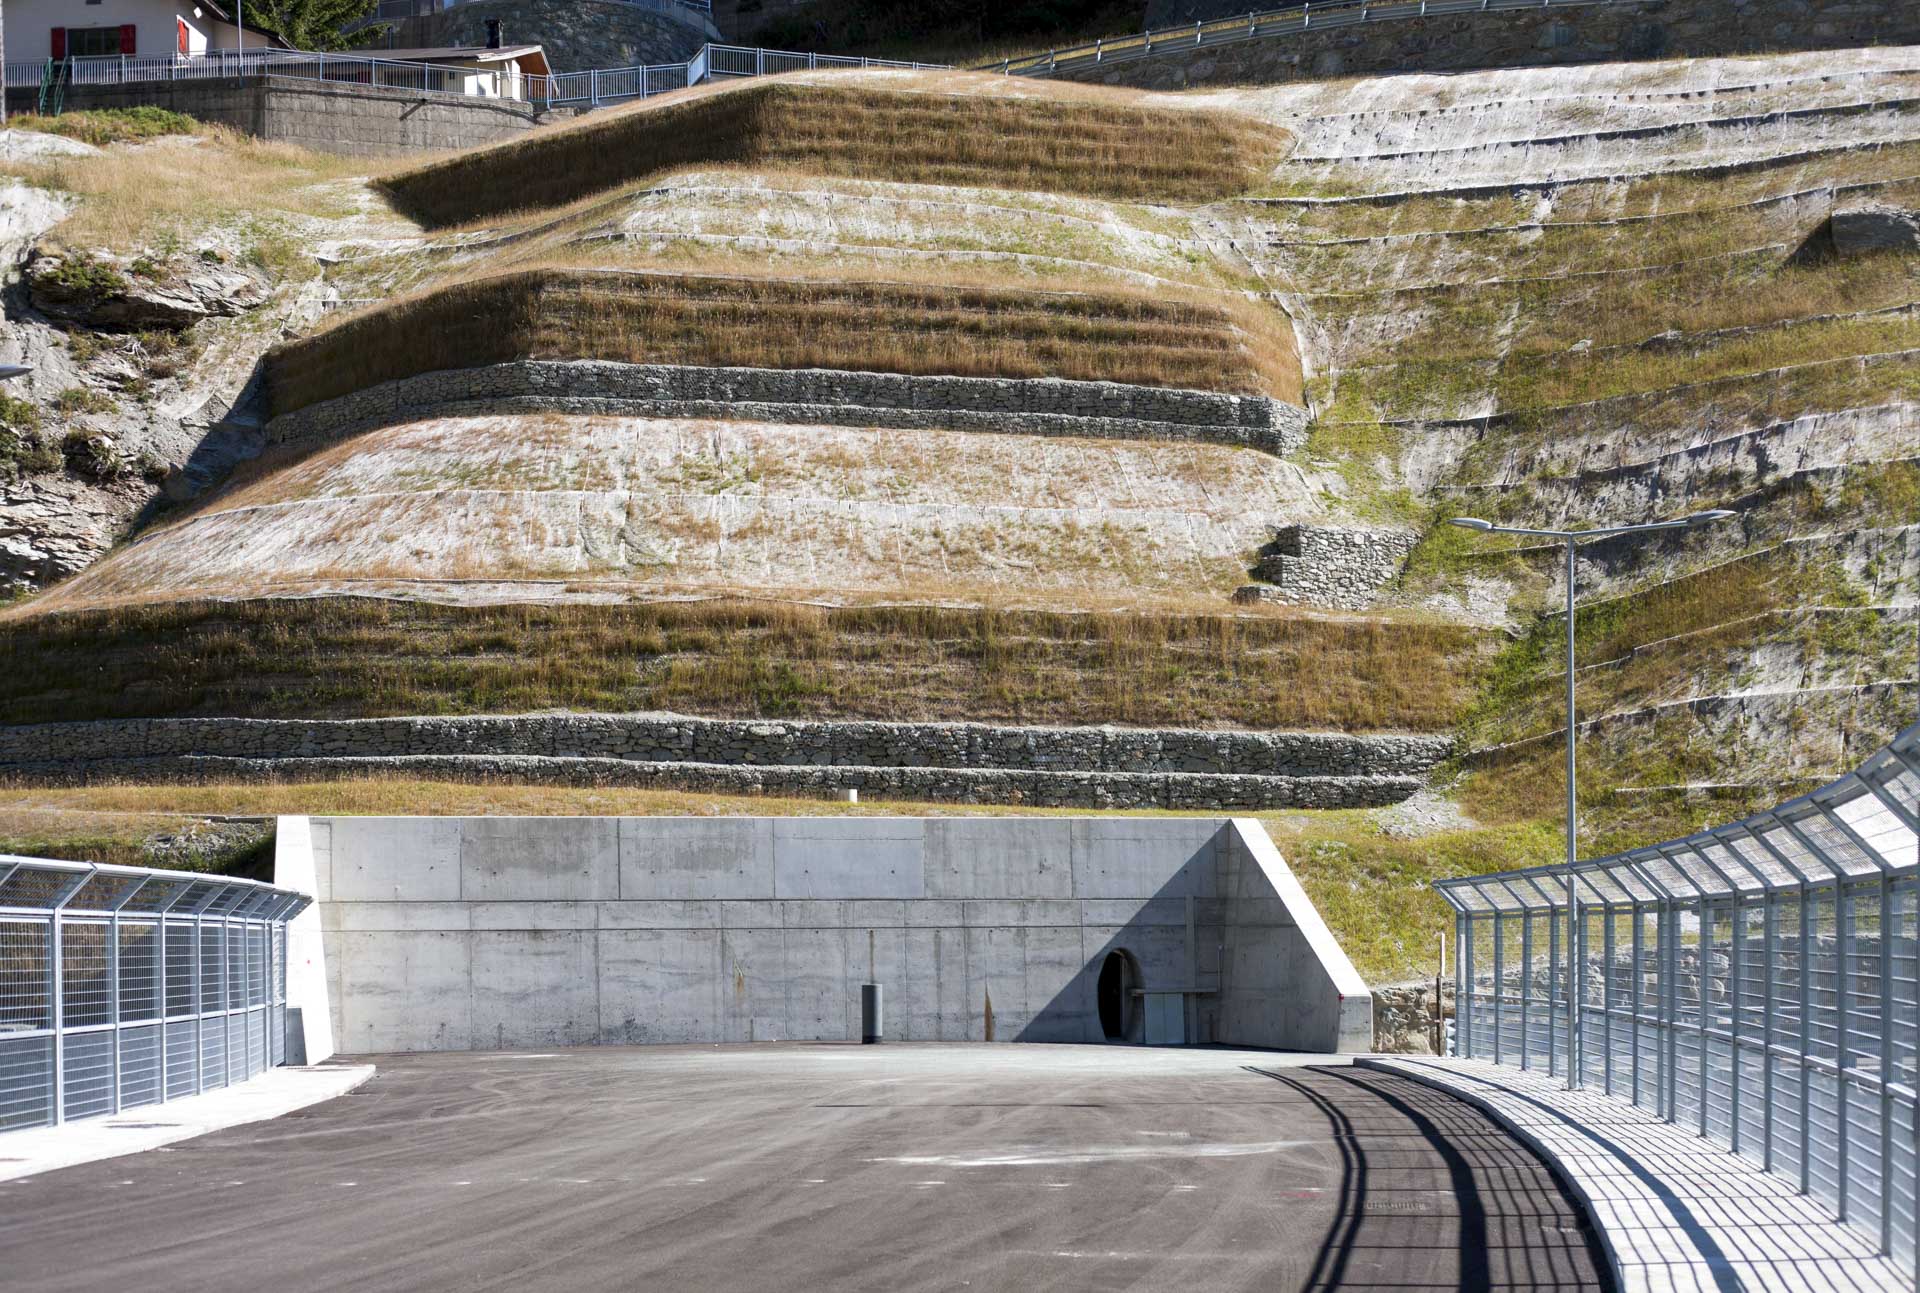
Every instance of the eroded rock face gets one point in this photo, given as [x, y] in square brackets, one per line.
[1864, 230]
[109, 292]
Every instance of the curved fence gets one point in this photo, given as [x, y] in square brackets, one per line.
[122, 987]
[1757, 981]
[1259, 26]
[587, 89]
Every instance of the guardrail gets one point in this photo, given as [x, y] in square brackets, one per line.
[1759, 981]
[122, 987]
[389, 9]
[354, 69]
[713, 62]
[564, 89]
[1261, 25]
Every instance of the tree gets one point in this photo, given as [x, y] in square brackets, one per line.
[315, 24]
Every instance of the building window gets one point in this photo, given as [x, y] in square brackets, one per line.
[83, 42]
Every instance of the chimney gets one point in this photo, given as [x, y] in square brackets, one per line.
[493, 33]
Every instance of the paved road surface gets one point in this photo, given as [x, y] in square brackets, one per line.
[812, 1166]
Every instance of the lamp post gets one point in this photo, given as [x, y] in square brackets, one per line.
[1571, 540]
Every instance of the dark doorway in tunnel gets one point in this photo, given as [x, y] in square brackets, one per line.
[1119, 977]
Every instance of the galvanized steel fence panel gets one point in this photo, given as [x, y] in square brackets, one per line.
[590, 88]
[1758, 982]
[122, 987]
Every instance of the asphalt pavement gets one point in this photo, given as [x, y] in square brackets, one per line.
[794, 1166]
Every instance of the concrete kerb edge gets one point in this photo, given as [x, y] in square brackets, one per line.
[94, 1140]
[1417, 1073]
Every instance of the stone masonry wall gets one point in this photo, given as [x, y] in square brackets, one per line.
[1102, 790]
[1517, 38]
[354, 120]
[676, 738]
[1317, 566]
[1043, 406]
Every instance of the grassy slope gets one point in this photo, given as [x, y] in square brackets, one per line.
[947, 129]
[349, 658]
[1745, 288]
[960, 330]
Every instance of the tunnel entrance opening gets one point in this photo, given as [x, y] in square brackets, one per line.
[1119, 977]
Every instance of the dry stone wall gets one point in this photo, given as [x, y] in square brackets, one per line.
[812, 396]
[1518, 38]
[1317, 566]
[1103, 790]
[677, 738]
[936, 762]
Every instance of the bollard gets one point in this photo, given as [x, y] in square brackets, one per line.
[870, 1027]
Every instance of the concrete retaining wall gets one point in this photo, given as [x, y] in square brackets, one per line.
[1520, 38]
[484, 933]
[1040, 406]
[355, 120]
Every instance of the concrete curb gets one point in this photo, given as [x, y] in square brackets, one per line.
[272, 1094]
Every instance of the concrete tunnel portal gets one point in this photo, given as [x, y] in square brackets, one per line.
[504, 933]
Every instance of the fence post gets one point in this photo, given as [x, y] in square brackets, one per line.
[1606, 1000]
[1736, 949]
[113, 1007]
[1526, 987]
[59, 1018]
[1499, 971]
[1886, 1064]
[199, 1003]
[1806, 1037]
[1770, 951]
[1700, 982]
[160, 992]
[1842, 1097]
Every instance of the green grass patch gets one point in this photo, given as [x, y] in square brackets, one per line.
[103, 126]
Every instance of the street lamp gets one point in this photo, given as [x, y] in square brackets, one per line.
[1571, 539]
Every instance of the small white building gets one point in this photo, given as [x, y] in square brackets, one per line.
[39, 29]
[486, 71]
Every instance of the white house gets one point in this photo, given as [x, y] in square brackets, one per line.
[39, 29]
[487, 71]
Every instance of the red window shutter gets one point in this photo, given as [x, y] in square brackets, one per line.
[126, 38]
[183, 34]
[59, 42]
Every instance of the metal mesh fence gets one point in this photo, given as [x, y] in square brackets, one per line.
[1758, 982]
[93, 958]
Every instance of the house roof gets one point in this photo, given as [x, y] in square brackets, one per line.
[532, 57]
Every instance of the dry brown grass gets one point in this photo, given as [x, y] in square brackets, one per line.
[1100, 146]
[130, 197]
[923, 328]
[345, 657]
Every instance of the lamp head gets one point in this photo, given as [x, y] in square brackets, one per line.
[1470, 523]
[1707, 518]
[13, 370]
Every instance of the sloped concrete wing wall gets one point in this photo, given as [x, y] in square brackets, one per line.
[503, 932]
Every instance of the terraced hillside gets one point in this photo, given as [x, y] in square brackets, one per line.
[901, 432]
[1572, 297]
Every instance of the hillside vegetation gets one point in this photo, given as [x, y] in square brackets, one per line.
[946, 129]
[920, 328]
[1552, 297]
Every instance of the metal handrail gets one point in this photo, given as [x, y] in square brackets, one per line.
[125, 986]
[590, 88]
[1758, 981]
[1257, 25]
